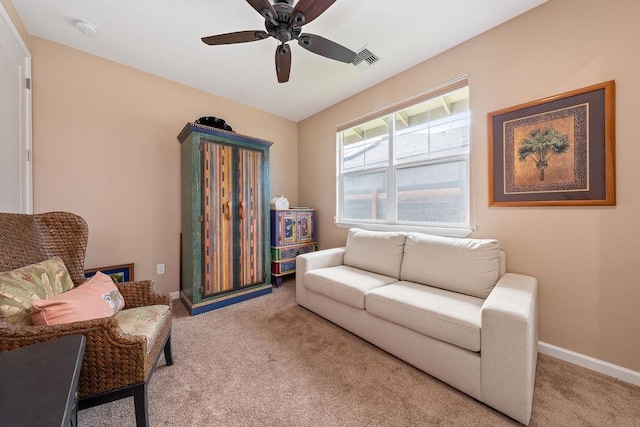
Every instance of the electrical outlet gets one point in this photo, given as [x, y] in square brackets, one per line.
[160, 269]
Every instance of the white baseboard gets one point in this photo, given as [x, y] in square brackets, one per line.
[175, 295]
[588, 362]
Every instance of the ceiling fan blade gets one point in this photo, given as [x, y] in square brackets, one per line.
[283, 62]
[237, 37]
[308, 10]
[261, 6]
[325, 47]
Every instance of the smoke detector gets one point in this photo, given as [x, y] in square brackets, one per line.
[86, 27]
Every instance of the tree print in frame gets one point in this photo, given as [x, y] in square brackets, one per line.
[118, 273]
[557, 151]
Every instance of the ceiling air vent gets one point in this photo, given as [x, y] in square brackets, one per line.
[365, 59]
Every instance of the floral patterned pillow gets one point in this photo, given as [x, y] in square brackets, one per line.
[18, 288]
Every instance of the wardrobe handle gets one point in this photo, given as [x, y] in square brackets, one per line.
[241, 209]
[226, 209]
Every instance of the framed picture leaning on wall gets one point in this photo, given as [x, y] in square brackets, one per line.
[118, 273]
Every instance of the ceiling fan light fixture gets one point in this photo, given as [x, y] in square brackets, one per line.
[299, 18]
[86, 27]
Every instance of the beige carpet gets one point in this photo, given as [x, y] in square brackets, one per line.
[269, 362]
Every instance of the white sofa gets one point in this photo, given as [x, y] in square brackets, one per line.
[444, 305]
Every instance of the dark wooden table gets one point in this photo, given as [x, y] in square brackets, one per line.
[38, 383]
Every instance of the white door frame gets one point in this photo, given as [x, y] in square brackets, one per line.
[25, 180]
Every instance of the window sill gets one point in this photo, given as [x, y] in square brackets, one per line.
[438, 231]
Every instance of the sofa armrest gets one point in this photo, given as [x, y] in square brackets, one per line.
[509, 345]
[313, 261]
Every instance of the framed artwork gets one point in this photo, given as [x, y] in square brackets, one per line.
[119, 273]
[557, 151]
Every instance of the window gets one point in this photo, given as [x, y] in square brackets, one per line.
[407, 166]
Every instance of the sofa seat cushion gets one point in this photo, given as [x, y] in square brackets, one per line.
[145, 321]
[444, 315]
[345, 284]
[467, 266]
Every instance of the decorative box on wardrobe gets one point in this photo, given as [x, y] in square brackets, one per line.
[292, 233]
[225, 224]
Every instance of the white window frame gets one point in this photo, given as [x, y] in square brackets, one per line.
[391, 223]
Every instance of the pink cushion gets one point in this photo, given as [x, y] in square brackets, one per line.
[97, 297]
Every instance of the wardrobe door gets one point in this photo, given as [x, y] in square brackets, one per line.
[250, 254]
[218, 224]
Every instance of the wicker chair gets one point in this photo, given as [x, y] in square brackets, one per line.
[115, 364]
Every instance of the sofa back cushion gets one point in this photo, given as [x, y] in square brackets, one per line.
[375, 251]
[466, 266]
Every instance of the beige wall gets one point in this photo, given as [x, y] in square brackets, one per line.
[9, 7]
[105, 147]
[586, 258]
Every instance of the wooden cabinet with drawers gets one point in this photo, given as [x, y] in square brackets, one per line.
[292, 233]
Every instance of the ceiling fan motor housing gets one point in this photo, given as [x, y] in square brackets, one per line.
[283, 11]
[280, 27]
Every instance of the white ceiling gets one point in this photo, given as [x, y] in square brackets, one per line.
[162, 37]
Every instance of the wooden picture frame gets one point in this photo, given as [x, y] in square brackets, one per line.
[556, 151]
[119, 273]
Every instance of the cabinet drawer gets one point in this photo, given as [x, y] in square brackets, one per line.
[288, 252]
[283, 267]
[283, 253]
[306, 249]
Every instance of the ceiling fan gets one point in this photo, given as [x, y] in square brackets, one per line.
[284, 23]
